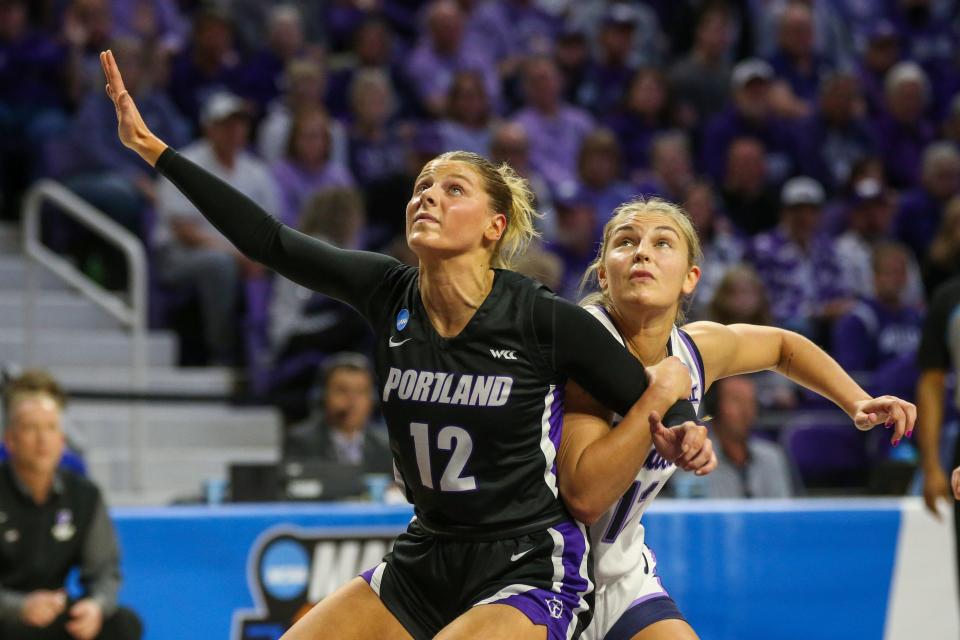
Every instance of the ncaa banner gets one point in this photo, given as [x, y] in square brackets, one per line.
[291, 568]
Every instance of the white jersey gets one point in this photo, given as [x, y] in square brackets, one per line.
[617, 538]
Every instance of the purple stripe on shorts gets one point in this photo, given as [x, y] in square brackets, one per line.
[651, 596]
[555, 610]
[368, 574]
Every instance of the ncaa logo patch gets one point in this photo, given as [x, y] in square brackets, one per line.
[402, 319]
[284, 569]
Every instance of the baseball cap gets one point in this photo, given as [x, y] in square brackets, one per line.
[749, 70]
[801, 191]
[222, 105]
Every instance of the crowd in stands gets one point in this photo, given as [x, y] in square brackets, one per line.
[814, 144]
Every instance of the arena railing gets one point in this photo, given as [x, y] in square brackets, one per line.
[132, 315]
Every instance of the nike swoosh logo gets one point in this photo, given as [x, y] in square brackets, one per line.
[397, 344]
[517, 556]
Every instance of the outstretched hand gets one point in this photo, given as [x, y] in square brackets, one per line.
[133, 131]
[685, 445]
[893, 412]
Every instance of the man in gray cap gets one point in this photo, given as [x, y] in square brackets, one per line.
[191, 253]
[750, 115]
[798, 264]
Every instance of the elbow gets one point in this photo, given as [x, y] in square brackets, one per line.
[582, 508]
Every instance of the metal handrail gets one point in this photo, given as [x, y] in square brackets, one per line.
[132, 315]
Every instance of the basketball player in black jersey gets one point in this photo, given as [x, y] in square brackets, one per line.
[471, 359]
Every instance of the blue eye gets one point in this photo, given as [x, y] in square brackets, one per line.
[456, 190]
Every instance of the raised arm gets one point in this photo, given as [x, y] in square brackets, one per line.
[350, 276]
[730, 350]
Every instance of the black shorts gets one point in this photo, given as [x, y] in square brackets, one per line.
[427, 581]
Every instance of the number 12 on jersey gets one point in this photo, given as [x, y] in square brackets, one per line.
[448, 438]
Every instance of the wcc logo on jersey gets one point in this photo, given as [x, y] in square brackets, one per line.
[290, 569]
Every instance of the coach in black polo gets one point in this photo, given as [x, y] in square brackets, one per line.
[52, 520]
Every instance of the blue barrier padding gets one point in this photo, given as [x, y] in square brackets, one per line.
[738, 570]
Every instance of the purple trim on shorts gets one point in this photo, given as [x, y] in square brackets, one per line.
[368, 574]
[651, 596]
[555, 610]
[636, 619]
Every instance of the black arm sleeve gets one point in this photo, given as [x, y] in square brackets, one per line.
[578, 346]
[350, 276]
[934, 351]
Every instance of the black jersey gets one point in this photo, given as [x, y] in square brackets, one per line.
[474, 420]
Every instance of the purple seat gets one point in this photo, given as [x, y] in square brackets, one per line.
[827, 454]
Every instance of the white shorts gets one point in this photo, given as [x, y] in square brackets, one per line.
[630, 591]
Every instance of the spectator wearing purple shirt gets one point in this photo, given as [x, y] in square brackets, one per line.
[902, 131]
[795, 62]
[701, 79]
[880, 335]
[377, 151]
[108, 176]
[869, 224]
[612, 70]
[750, 115]
[831, 32]
[929, 39]
[575, 242]
[836, 136]
[307, 167]
[33, 96]
[469, 118]
[156, 21]
[209, 64]
[374, 47]
[922, 208]
[555, 129]
[600, 173]
[509, 30]
[748, 197]
[261, 76]
[648, 42]
[881, 53]
[305, 81]
[646, 111]
[672, 168]
[441, 52]
[798, 266]
[86, 28]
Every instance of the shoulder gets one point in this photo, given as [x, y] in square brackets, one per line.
[80, 486]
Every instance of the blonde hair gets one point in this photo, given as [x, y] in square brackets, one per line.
[639, 207]
[510, 195]
[31, 384]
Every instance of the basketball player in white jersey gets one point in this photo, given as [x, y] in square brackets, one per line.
[646, 269]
